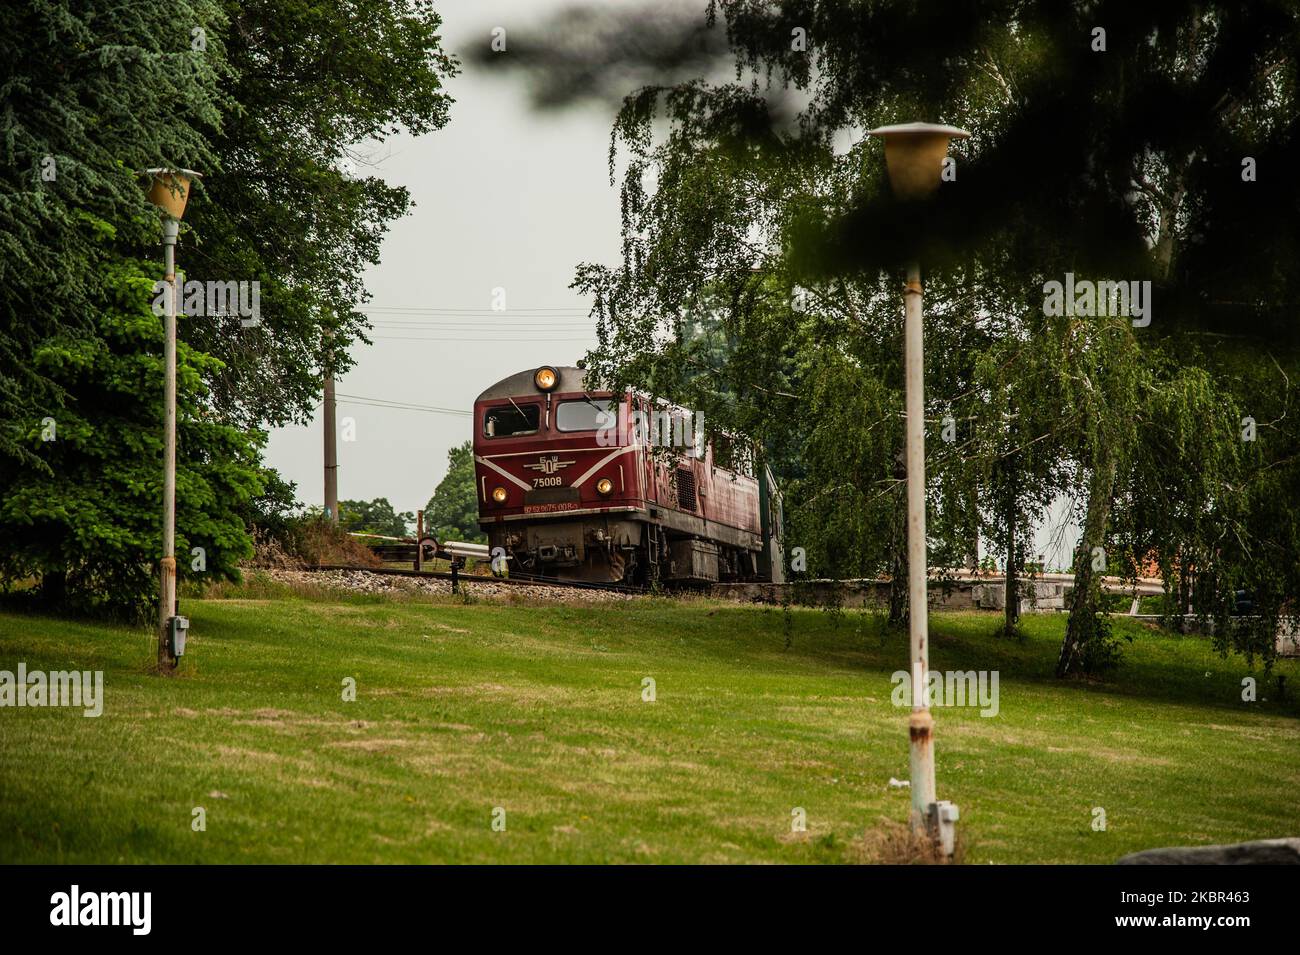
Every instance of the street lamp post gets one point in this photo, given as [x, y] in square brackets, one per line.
[914, 154]
[169, 190]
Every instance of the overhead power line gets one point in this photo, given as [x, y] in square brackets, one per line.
[483, 326]
[472, 310]
[399, 405]
[544, 321]
[494, 341]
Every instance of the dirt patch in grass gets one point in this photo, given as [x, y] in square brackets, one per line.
[1045, 741]
[1253, 733]
[371, 745]
[518, 695]
[892, 843]
[278, 719]
[241, 755]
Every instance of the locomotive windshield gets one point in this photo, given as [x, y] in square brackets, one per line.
[510, 420]
[589, 414]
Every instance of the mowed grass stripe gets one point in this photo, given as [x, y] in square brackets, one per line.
[537, 709]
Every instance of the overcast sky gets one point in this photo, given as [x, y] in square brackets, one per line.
[505, 198]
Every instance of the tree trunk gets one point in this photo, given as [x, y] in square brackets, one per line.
[54, 588]
[898, 595]
[898, 588]
[1083, 605]
[1012, 595]
[1184, 590]
[1167, 236]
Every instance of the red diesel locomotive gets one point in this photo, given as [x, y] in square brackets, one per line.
[598, 486]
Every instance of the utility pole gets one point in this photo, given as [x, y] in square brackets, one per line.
[331, 450]
[419, 540]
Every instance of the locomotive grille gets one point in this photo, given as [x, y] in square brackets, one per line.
[685, 489]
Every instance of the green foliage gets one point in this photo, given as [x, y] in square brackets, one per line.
[760, 273]
[374, 517]
[276, 101]
[83, 512]
[1094, 646]
[844, 503]
[271, 514]
[313, 88]
[452, 511]
[93, 92]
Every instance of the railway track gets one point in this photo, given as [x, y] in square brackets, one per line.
[513, 580]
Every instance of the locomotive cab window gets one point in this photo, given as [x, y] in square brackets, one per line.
[586, 415]
[506, 421]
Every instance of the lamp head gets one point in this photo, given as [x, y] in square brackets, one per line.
[914, 154]
[169, 189]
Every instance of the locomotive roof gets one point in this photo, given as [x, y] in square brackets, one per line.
[521, 384]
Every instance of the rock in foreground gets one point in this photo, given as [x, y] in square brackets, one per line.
[1260, 852]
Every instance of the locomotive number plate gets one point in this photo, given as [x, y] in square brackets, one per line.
[543, 499]
[551, 508]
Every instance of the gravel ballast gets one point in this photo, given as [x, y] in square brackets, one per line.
[485, 588]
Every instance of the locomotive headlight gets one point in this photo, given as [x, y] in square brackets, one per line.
[499, 495]
[604, 487]
[546, 378]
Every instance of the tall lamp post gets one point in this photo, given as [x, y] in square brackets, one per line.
[914, 155]
[169, 190]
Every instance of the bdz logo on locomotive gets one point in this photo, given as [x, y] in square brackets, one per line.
[548, 465]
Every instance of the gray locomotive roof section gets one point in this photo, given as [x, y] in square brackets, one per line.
[520, 384]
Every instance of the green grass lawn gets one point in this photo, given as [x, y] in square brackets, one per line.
[537, 709]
